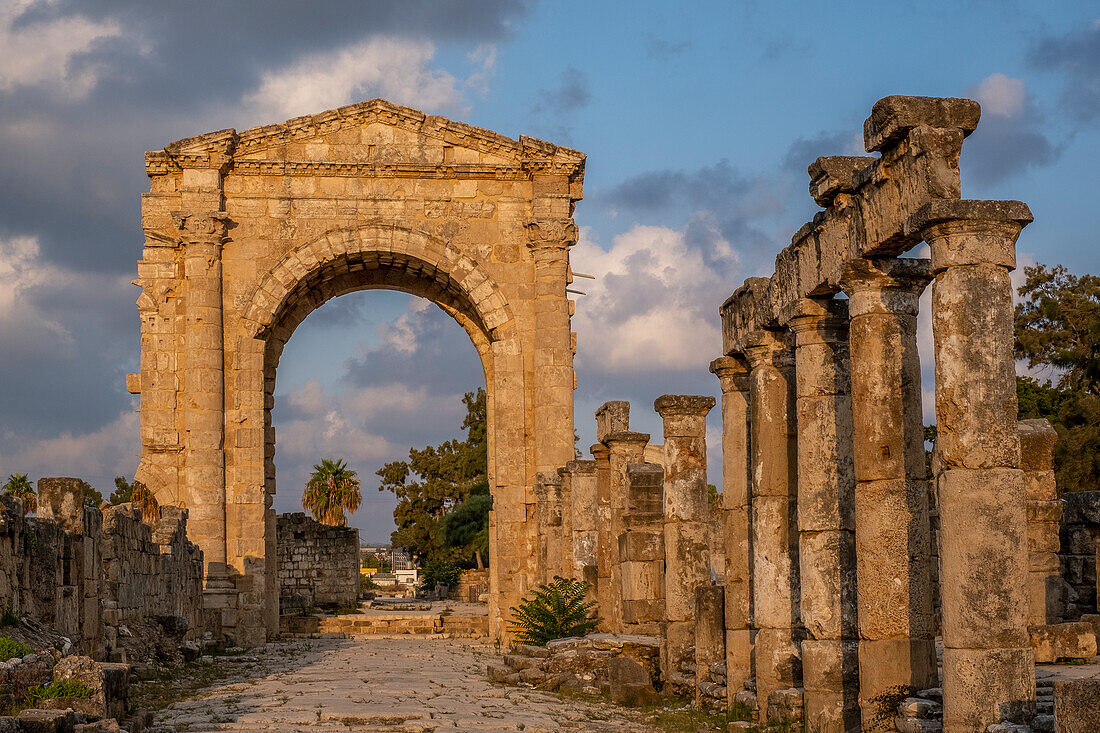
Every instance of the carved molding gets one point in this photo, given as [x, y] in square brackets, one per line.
[204, 226]
[551, 233]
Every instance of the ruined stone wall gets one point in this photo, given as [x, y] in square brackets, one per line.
[99, 578]
[1080, 544]
[318, 563]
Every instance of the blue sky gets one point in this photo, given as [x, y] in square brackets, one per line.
[698, 119]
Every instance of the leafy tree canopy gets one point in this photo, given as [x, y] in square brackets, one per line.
[1058, 327]
[20, 487]
[443, 497]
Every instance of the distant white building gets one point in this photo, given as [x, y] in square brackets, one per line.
[407, 576]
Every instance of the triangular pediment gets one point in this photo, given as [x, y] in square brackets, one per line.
[374, 132]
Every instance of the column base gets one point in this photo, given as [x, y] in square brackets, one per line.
[830, 673]
[986, 686]
[889, 668]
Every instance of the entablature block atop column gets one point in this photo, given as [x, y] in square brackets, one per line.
[867, 204]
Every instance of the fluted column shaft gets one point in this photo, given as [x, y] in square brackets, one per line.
[734, 377]
[826, 522]
[893, 544]
[988, 670]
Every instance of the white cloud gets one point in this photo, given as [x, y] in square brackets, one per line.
[395, 69]
[399, 334]
[653, 304]
[1001, 95]
[484, 58]
[109, 451]
[43, 53]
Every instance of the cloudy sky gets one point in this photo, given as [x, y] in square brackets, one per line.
[698, 118]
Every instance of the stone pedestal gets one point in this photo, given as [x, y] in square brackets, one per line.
[826, 522]
[988, 672]
[893, 543]
[734, 378]
[686, 516]
[774, 457]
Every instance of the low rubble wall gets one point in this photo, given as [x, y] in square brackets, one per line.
[116, 587]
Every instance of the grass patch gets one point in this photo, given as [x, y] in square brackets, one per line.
[346, 611]
[10, 649]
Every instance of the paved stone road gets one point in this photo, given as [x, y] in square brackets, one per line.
[371, 684]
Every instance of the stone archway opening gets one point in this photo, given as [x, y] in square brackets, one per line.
[247, 233]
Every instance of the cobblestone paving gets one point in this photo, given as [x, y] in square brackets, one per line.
[384, 684]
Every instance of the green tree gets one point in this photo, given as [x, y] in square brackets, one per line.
[93, 497]
[20, 487]
[332, 490]
[438, 481]
[1058, 328]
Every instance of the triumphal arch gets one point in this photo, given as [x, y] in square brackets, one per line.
[246, 233]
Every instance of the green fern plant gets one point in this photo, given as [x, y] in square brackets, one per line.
[556, 611]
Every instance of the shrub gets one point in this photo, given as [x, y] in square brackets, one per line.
[440, 572]
[557, 610]
[10, 649]
[9, 617]
[57, 688]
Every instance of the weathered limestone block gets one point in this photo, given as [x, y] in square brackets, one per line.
[1073, 640]
[318, 564]
[624, 449]
[62, 500]
[1076, 706]
[642, 580]
[612, 417]
[584, 512]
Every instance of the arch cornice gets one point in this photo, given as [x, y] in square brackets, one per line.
[277, 285]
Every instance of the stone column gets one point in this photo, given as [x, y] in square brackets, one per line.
[1044, 521]
[542, 527]
[988, 671]
[584, 507]
[826, 521]
[602, 459]
[201, 236]
[896, 627]
[774, 454]
[686, 517]
[549, 240]
[641, 549]
[552, 482]
[710, 641]
[565, 540]
[624, 449]
[734, 378]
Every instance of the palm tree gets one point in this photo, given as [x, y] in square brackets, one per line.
[21, 488]
[331, 490]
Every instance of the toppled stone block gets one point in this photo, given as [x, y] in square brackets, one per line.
[109, 683]
[1051, 642]
[47, 721]
[1077, 706]
[630, 683]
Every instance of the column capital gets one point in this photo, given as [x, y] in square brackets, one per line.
[732, 373]
[550, 235]
[819, 320]
[208, 227]
[971, 232]
[582, 466]
[600, 452]
[766, 347]
[674, 404]
[885, 285]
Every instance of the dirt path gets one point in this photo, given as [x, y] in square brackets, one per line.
[370, 684]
